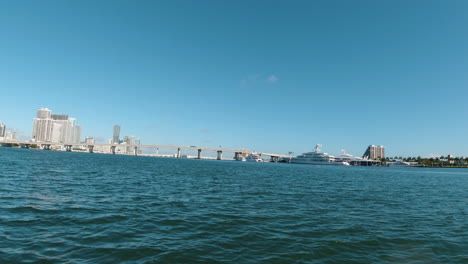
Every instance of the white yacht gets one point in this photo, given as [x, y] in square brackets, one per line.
[254, 157]
[400, 163]
[242, 159]
[317, 158]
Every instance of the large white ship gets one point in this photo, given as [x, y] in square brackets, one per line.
[317, 158]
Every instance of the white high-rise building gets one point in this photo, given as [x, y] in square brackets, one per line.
[374, 152]
[42, 130]
[116, 136]
[76, 134]
[57, 128]
[62, 131]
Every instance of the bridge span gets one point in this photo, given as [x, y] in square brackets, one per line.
[238, 153]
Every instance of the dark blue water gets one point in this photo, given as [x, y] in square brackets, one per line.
[59, 207]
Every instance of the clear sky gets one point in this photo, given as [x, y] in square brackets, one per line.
[270, 76]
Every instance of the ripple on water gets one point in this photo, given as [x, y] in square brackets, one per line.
[83, 208]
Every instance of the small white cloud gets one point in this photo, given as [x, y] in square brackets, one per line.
[272, 79]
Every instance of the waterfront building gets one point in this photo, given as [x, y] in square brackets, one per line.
[116, 136]
[374, 152]
[131, 141]
[62, 129]
[48, 127]
[42, 129]
[2, 129]
[77, 134]
[89, 140]
[57, 128]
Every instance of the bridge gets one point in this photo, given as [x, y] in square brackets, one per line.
[238, 153]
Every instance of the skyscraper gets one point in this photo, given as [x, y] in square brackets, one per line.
[116, 137]
[2, 129]
[77, 134]
[42, 129]
[42, 125]
[62, 128]
[374, 152]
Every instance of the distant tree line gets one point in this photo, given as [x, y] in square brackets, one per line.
[442, 161]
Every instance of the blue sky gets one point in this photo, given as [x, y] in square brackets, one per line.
[271, 76]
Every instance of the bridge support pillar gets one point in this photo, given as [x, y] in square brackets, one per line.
[135, 150]
[112, 148]
[274, 158]
[68, 148]
[199, 154]
[237, 156]
[157, 151]
[91, 149]
[220, 155]
[178, 152]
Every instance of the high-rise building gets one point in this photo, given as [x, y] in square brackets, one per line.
[62, 129]
[374, 152]
[57, 128]
[77, 134]
[2, 129]
[116, 137]
[42, 125]
[42, 130]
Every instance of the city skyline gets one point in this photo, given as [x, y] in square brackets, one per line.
[372, 152]
[277, 77]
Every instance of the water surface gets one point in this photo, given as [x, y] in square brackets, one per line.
[59, 207]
